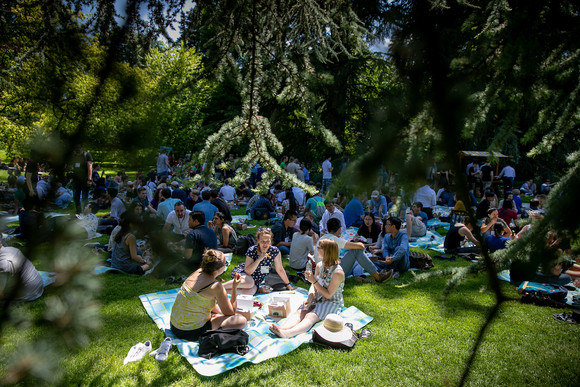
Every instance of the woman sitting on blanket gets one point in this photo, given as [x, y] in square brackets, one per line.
[124, 254]
[195, 311]
[324, 296]
[225, 233]
[259, 261]
[370, 229]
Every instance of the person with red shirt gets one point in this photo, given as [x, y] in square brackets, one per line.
[507, 213]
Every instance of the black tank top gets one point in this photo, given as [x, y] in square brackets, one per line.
[453, 238]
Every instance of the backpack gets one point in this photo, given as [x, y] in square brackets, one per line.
[223, 340]
[421, 261]
[243, 243]
[552, 291]
[320, 208]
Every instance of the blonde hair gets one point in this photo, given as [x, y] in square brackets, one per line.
[329, 252]
[212, 260]
[264, 231]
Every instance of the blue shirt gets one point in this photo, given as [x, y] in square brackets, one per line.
[496, 243]
[207, 208]
[424, 217]
[198, 240]
[165, 207]
[398, 248]
[352, 212]
[381, 200]
[518, 202]
[263, 202]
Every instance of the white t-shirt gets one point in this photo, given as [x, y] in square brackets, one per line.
[180, 225]
[228, 193]
[117, 208]
[339, 241]
[299, 195]
[336, 214]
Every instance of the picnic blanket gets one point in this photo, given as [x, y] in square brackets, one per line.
[504, 275]
[263, 344]
[435, 223]
[432, 241]
[104, 269]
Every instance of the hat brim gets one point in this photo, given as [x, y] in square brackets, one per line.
[335, 337]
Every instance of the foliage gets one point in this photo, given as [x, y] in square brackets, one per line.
[271, 47]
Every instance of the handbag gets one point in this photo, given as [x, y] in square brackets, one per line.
[226, 340]
[275, 281]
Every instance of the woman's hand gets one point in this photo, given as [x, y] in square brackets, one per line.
[309, 277]
[236, 280]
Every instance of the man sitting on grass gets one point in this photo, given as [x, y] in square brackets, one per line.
[395, 248]
[331, 213]
[354, 255]
[283, 231]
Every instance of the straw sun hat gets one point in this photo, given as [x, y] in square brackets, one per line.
[333, 329]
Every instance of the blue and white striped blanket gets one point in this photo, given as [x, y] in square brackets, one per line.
[263, 344]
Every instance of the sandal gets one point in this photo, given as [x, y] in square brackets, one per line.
[365, 333]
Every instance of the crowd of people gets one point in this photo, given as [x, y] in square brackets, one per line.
[187, 230]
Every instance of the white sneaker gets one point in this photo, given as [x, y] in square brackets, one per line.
[138, 352]
[163, 350]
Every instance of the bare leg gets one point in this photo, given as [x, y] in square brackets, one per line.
[246, 286]
[303, 326]
[220, 321]
[295, 318]
[409, 220]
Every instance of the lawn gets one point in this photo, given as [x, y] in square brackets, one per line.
[418, 338]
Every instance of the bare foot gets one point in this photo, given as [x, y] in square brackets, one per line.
[275, 329]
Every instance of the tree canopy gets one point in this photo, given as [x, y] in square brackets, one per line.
[268, 77]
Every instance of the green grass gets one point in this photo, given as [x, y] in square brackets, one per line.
[418, 338]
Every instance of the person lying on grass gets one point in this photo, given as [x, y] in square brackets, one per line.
[324, 296]
[259, 261]
[195, 311]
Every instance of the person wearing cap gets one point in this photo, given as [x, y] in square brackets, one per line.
[82, 168]
[378, 204]
[324, 295]
[178, 193]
